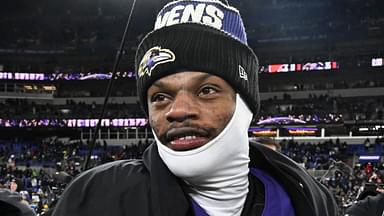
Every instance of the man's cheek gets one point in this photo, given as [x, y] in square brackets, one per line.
[155, 126]
[151, 122]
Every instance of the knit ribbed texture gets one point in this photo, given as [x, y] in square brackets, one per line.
[232, 22]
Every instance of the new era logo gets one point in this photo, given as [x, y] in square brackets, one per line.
[243, 73]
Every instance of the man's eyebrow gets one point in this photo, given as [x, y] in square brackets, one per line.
[203, 77]
[161, 84]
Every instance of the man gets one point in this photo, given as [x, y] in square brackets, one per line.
[197, 81]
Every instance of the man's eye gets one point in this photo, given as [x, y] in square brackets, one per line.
[158, 98]
[207, 90]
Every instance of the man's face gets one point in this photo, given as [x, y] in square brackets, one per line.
[188, 109]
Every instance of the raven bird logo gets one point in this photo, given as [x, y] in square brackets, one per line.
[152, 58]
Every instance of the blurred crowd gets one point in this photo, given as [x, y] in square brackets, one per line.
[307, 20]
[25, 109]
[38, 188]
[350, 185]
[333, 165]
[62, 25]
[40, 169]
[315, 156]
[69, 25]
[322, 109]
[323, 86]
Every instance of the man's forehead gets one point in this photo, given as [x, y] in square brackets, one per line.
[185, 77]
[189, 73]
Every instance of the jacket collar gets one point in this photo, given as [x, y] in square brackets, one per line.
[167, 194]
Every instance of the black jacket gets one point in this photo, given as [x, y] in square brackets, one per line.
[147, 188]
[11, 204]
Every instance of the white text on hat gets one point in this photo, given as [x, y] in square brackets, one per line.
[201, 13]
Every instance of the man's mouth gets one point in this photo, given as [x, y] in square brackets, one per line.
[183, 139]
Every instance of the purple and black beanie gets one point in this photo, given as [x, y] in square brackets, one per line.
[199, 35]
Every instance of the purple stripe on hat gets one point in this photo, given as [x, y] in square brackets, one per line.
[208, 12]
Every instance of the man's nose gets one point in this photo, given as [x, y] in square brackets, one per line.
[183, 107]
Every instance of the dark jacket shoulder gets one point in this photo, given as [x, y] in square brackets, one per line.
[128, 187]
[308, 195]
[103, 190]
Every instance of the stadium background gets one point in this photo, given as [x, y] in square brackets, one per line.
[321, 84]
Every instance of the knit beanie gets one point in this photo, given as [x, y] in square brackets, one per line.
[198, 35]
